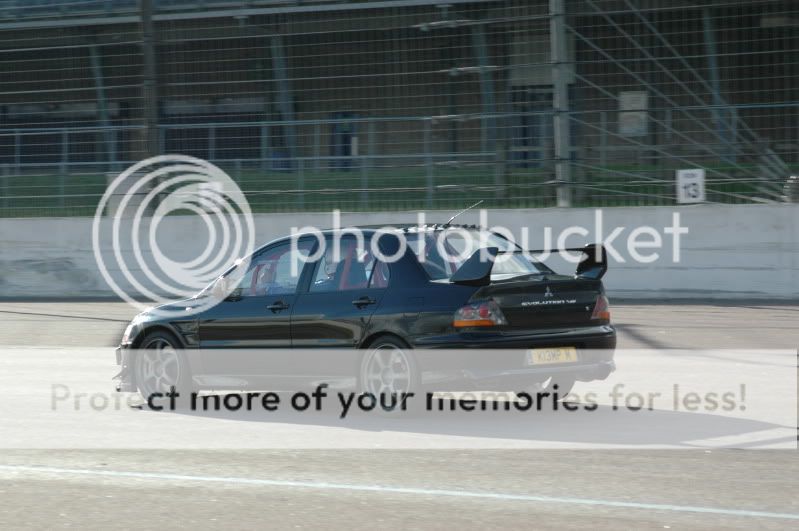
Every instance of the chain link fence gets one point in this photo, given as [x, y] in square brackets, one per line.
[393, 105]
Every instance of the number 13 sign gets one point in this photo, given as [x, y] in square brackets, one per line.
[691, 186]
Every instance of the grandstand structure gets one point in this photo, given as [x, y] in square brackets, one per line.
[401, 104]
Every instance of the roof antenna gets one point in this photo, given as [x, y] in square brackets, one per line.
[462, 211]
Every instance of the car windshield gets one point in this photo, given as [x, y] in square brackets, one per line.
[442, 252]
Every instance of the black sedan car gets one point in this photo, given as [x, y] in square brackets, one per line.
[392, 300]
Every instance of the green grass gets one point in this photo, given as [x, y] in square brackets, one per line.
[397, 189]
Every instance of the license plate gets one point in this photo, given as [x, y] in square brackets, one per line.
[546, 356]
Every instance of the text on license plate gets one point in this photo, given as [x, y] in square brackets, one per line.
[544, 356]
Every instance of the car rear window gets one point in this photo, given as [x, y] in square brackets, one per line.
[442, 252]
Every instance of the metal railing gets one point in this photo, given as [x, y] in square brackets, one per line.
[405, 105]
[608, 170]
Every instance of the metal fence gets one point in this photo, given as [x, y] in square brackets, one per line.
[401, 104]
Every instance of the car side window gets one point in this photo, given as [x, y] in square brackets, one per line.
[350, 269]
[380, 275]
[276, 271]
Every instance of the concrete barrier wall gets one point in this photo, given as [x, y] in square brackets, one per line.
[730, 251]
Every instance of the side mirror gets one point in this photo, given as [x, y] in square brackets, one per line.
[224, 291]
[594, 262]
[219, 289]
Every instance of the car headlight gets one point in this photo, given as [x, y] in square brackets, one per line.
[126, 334]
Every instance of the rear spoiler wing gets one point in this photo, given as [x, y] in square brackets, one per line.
[476, 270]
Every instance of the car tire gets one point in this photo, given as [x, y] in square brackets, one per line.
[159, 364]
[389, 373]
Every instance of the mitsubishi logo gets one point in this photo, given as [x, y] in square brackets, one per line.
[548, 292]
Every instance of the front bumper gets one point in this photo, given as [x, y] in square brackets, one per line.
[125, 382]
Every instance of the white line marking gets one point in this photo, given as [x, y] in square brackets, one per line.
[400, 490]
[757, 439]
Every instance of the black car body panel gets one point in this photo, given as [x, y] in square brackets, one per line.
[542, 310]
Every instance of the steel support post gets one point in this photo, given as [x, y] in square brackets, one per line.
[488, 118]
[285, 101]
[560, 104]
[718, 109]
[428, 159]
[103, 119]
[150, 81]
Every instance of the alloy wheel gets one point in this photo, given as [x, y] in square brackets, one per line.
[388, 371]
[158, 367]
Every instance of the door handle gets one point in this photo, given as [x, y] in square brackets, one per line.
[363, 301]
[278, 306]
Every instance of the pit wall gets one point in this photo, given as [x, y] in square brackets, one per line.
[729, 252]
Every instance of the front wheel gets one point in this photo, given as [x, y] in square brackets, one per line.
[389, 374]
[160, 367]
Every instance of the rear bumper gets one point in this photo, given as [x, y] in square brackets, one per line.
[463, 358]
[512, 379]
[589, 337]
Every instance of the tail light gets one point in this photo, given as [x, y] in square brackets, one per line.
[485, 313]
[601, 309]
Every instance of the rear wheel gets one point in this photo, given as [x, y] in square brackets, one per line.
[389, 374]
[160, 366]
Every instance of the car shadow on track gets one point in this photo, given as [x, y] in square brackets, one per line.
[491, 423]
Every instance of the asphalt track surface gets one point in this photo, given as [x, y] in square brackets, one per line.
[409, 489]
